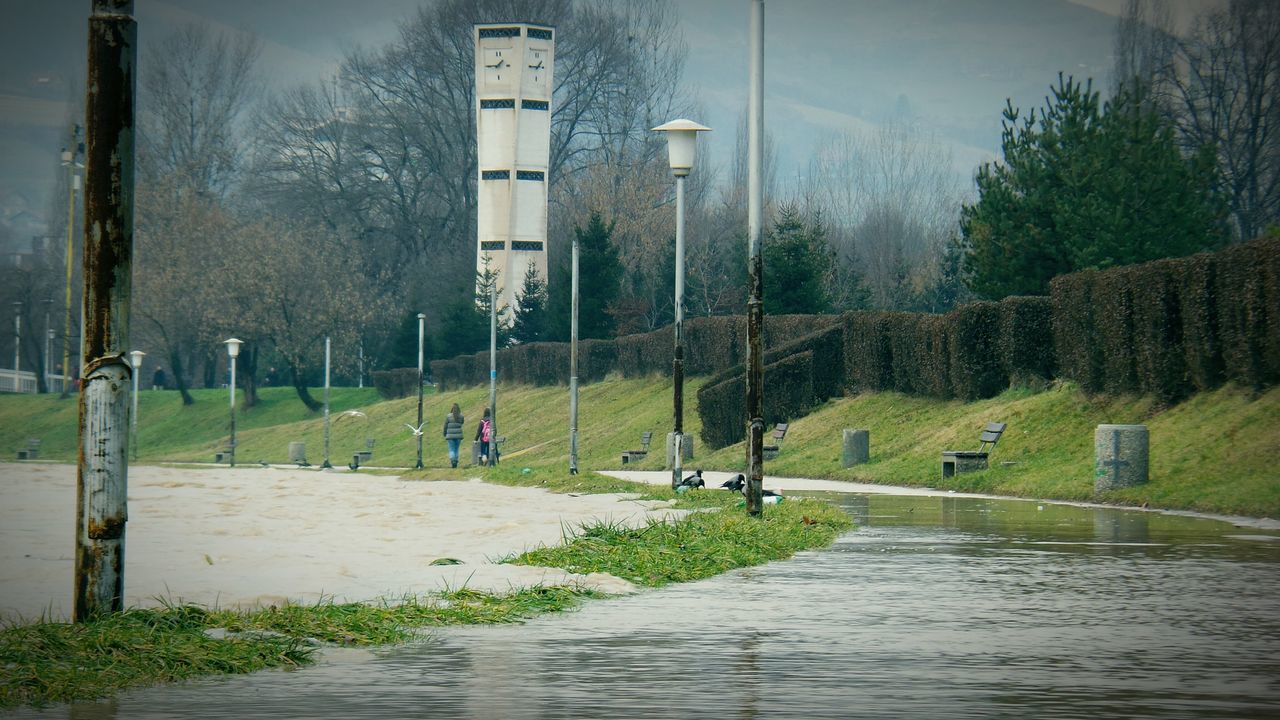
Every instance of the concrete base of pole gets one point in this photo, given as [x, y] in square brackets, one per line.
[855, 447]
[671, 449]
[1120, 456]
[297, 452]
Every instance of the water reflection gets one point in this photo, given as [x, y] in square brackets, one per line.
[966, 607]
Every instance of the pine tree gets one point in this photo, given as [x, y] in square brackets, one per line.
[529, 322]
[798, 265]
[464, 325]
[599, 282]
[1085, 185]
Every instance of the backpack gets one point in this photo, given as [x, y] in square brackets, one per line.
[486, 429]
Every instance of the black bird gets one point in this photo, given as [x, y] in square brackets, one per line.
[693, 481]
[739, 484]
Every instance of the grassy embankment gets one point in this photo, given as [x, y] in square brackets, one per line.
[1213, 452]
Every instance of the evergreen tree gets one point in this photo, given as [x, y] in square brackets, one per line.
[529, 322]
[599, 281]
[1085, 185]
[798, 265]
[464, 325]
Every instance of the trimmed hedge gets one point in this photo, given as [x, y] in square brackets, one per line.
[1195, 282]
[396, 383]
[1078, 354]
[867, 352]
[974, 357]
[1248, 305]
[789, 395]
[1025, 342]
[1160, 364]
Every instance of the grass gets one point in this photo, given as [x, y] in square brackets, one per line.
[698, 546]
[1213, 452]
[64, 662]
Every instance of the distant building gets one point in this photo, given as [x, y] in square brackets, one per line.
[513, 66]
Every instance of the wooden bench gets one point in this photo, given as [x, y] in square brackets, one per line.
[631, 455]
[955, 462]
[31, 451]
[779, 433]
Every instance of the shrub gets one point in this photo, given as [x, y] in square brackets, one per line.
[868, 357]
[1247, 312]
[789, 394]
[396, 383]
[1113, 327]
[1159, 358]
[1077, 350]
[1196, 285]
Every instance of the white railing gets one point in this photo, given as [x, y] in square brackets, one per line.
[26, 381]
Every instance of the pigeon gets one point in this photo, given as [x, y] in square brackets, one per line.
[415, 430]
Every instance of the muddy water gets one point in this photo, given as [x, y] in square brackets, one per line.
[934, 607]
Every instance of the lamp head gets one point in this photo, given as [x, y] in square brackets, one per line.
[233, 346]
[682, 136]
[135, 357]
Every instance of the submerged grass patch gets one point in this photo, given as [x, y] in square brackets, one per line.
[697, 546]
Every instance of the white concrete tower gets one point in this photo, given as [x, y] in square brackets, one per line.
[513, 136]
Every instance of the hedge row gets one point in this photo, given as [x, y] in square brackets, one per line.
[396, 383]
[722, 405]
[1171, 327]
[711, 345]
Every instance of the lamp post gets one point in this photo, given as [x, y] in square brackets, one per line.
[17, 345]
[682, 137]
[755, 264]
[573, 365]
[48, 332]
[233, 352]
[422, 326]
[326, 463]
[135, 359]
[73, 184]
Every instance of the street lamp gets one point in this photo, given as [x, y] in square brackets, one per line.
[135, 359]
[48, 337]
[17, 345]
[233, 352]
[422, 319]
[682, 138]
[326, 464]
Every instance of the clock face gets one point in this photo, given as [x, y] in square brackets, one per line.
[536, 61]
[497, 64]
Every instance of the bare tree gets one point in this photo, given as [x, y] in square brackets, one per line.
[894, 202]
[1219, 85]
[196, 85]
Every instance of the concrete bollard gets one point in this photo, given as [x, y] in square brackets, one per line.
[1120, 457]
[855, 447]
[297, 452]
[671, 449]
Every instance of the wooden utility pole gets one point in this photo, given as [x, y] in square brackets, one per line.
[755, 266]
[102, 472]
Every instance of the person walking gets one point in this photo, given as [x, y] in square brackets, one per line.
[484, 434]
[158, 379]
[453, 433]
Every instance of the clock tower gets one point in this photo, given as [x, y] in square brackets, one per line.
[513, 66]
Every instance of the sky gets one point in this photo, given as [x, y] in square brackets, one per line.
[830, 65]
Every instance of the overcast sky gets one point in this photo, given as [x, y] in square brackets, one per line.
[830, 65]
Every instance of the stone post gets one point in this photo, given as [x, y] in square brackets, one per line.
[687, 445]
[855, 448]
[1120, 457]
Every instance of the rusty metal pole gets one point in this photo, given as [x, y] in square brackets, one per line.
[755, 266]
[102, 474]
[573, 362]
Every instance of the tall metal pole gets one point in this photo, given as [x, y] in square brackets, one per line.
[102, 471]
[232, 388]
[573, 364]
[135, 362]
[17, 344]
[677, 366]
[755, 266]
[422, 319]
[360, 373]
[69, 158]
[48, 339]
[326, 463]
[493, 372]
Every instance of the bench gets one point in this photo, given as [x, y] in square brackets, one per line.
[631, 455]
[955, 462]
[31, 451]
[779, 433]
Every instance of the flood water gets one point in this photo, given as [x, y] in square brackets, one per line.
[933, 607]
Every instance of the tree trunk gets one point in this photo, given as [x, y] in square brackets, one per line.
[180, 377]
[249, 376]
[300, 386]
[211, 370]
